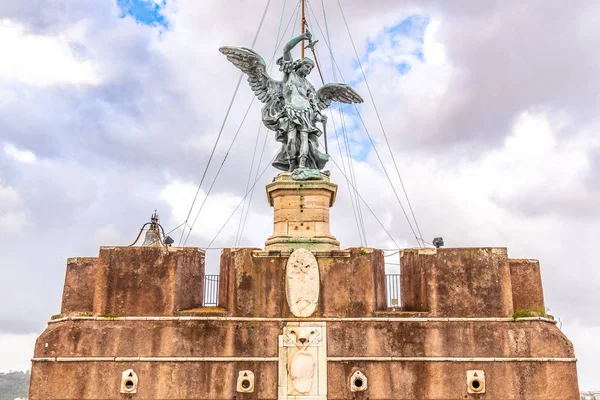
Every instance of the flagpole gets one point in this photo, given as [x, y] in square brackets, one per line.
[303, 23]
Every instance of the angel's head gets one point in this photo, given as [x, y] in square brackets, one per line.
[304, 66]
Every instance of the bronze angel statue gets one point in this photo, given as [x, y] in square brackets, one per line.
[292, 106]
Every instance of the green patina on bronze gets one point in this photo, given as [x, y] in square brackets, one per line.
[293, 106]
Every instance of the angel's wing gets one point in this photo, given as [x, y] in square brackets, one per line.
[336, 92]
[253, 65]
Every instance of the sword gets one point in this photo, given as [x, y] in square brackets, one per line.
[311, 44]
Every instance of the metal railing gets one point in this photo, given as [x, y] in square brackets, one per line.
[211, 291]
[392, 290]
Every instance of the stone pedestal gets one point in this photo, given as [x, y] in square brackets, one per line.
[301, 211]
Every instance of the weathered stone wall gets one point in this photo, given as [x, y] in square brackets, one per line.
[397, 356]
[459, 302]
[206, 337]
[148, 280]
[389, 380]
[447, 380]
[527, 291]
[253, 283]
[164, 380]
[472, 282]
[134, 281]
[80, 283]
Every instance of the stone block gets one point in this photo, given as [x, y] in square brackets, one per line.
[302, 215]
[245, 382]
[352, 283]
[461, 282]
[294, 201]
[352, 286]
[252, 286]
[80, 281]
[527, 291]
[148, 280]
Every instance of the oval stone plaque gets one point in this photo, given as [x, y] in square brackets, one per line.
[302, 283]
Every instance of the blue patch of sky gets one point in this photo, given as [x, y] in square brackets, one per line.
[412, 27]
[146, 12]
[403, 68]
[359, 146]
[419, 54]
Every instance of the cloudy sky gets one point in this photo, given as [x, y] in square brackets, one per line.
[110, 109]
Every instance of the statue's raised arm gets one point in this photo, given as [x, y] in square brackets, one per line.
[287, 49]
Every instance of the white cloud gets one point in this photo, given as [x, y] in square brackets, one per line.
[13, 217]
[20, 155]
[434, 52]
[44, 60]
[216, 211]
[107, 235]
[539, 170]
